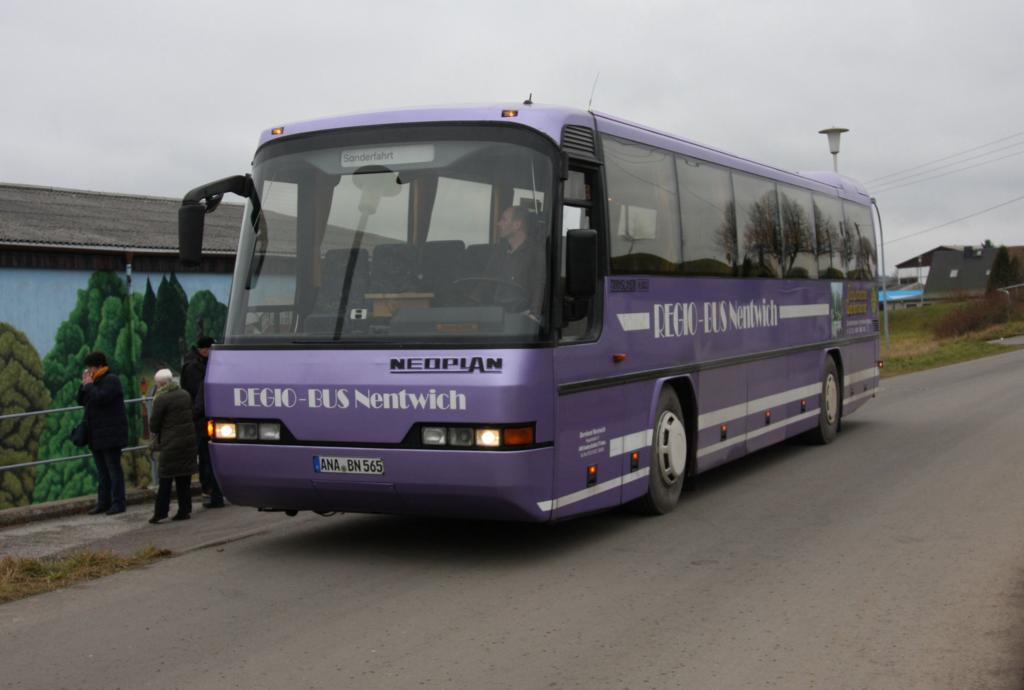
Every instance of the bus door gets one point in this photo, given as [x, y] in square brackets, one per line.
[588, 466]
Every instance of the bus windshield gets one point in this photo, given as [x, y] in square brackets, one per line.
[423, 235]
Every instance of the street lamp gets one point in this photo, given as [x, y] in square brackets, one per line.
[833, 144]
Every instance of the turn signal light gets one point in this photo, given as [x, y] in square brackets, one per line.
[519, 436]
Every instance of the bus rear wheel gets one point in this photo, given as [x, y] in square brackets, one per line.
[830, 408]
[669, 450]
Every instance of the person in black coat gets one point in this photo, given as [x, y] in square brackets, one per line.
[193, 376]
[107, 426]
[174, 437]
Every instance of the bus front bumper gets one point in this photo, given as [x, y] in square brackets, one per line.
[499, 485]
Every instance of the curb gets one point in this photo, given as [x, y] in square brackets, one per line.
[72, 506]
[221, 541]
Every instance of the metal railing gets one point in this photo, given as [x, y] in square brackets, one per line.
[1007, 291]
[69, 458]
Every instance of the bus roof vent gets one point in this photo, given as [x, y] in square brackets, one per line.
[579, 139]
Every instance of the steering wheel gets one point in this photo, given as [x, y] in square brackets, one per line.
[514, 298]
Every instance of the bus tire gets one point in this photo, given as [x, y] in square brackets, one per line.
[831, 404]
[669, 450]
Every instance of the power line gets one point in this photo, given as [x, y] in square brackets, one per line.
[972, 215]
[944, 158]
[911, 181]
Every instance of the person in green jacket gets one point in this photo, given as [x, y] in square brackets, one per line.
[174, 438]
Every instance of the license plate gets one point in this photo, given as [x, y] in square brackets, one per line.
[345, 465]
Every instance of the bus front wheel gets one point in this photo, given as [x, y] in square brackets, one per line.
[668, 457]
[830, 407]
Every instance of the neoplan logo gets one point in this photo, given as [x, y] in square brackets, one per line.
[446, 365]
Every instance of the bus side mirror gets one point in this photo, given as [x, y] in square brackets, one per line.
[581, 264]
[200, 201]
[190, 233]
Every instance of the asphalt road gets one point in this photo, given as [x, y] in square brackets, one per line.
[893, 558]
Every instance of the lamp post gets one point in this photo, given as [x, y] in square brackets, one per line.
[833, 134]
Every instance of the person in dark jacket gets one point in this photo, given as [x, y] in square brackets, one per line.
[107, 424]
[174, 438]
[193, 375]
[517, 264]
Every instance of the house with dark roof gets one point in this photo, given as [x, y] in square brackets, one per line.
[915, 269]
[53, 240]
[962, 273]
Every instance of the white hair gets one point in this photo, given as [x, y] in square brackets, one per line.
[163, 377]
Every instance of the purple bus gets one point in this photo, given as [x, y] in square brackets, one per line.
[525, 313]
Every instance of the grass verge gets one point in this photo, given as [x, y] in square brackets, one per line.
[915, 346]
[24, 577]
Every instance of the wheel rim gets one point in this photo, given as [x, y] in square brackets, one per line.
[831, 399]
[670, 447]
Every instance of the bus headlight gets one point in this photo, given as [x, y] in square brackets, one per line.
[460, 436]
[495, 436]
[270, 431]
[434, 436]
[488, 438]
[225, 431]
[246, 432]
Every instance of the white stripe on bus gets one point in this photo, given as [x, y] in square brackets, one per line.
[637, 321]
[728, 414]
[803, 310]
[643, 439]
[734, 412]
[630, 442]
[859, 396]
[859, 376]
[594, 490]
[766, 429]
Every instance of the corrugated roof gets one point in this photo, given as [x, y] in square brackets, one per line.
[56, 219]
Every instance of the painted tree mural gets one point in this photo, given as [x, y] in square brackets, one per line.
[148, 314]
[205, 316]
[21, 390]
[168, 323]
[106, 319]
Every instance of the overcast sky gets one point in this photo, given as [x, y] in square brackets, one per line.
[156, 98]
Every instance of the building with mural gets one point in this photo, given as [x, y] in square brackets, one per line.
[83, 271]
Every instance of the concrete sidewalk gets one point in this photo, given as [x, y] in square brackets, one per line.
[61, 529]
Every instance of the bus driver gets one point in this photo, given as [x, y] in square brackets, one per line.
[518, 260]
